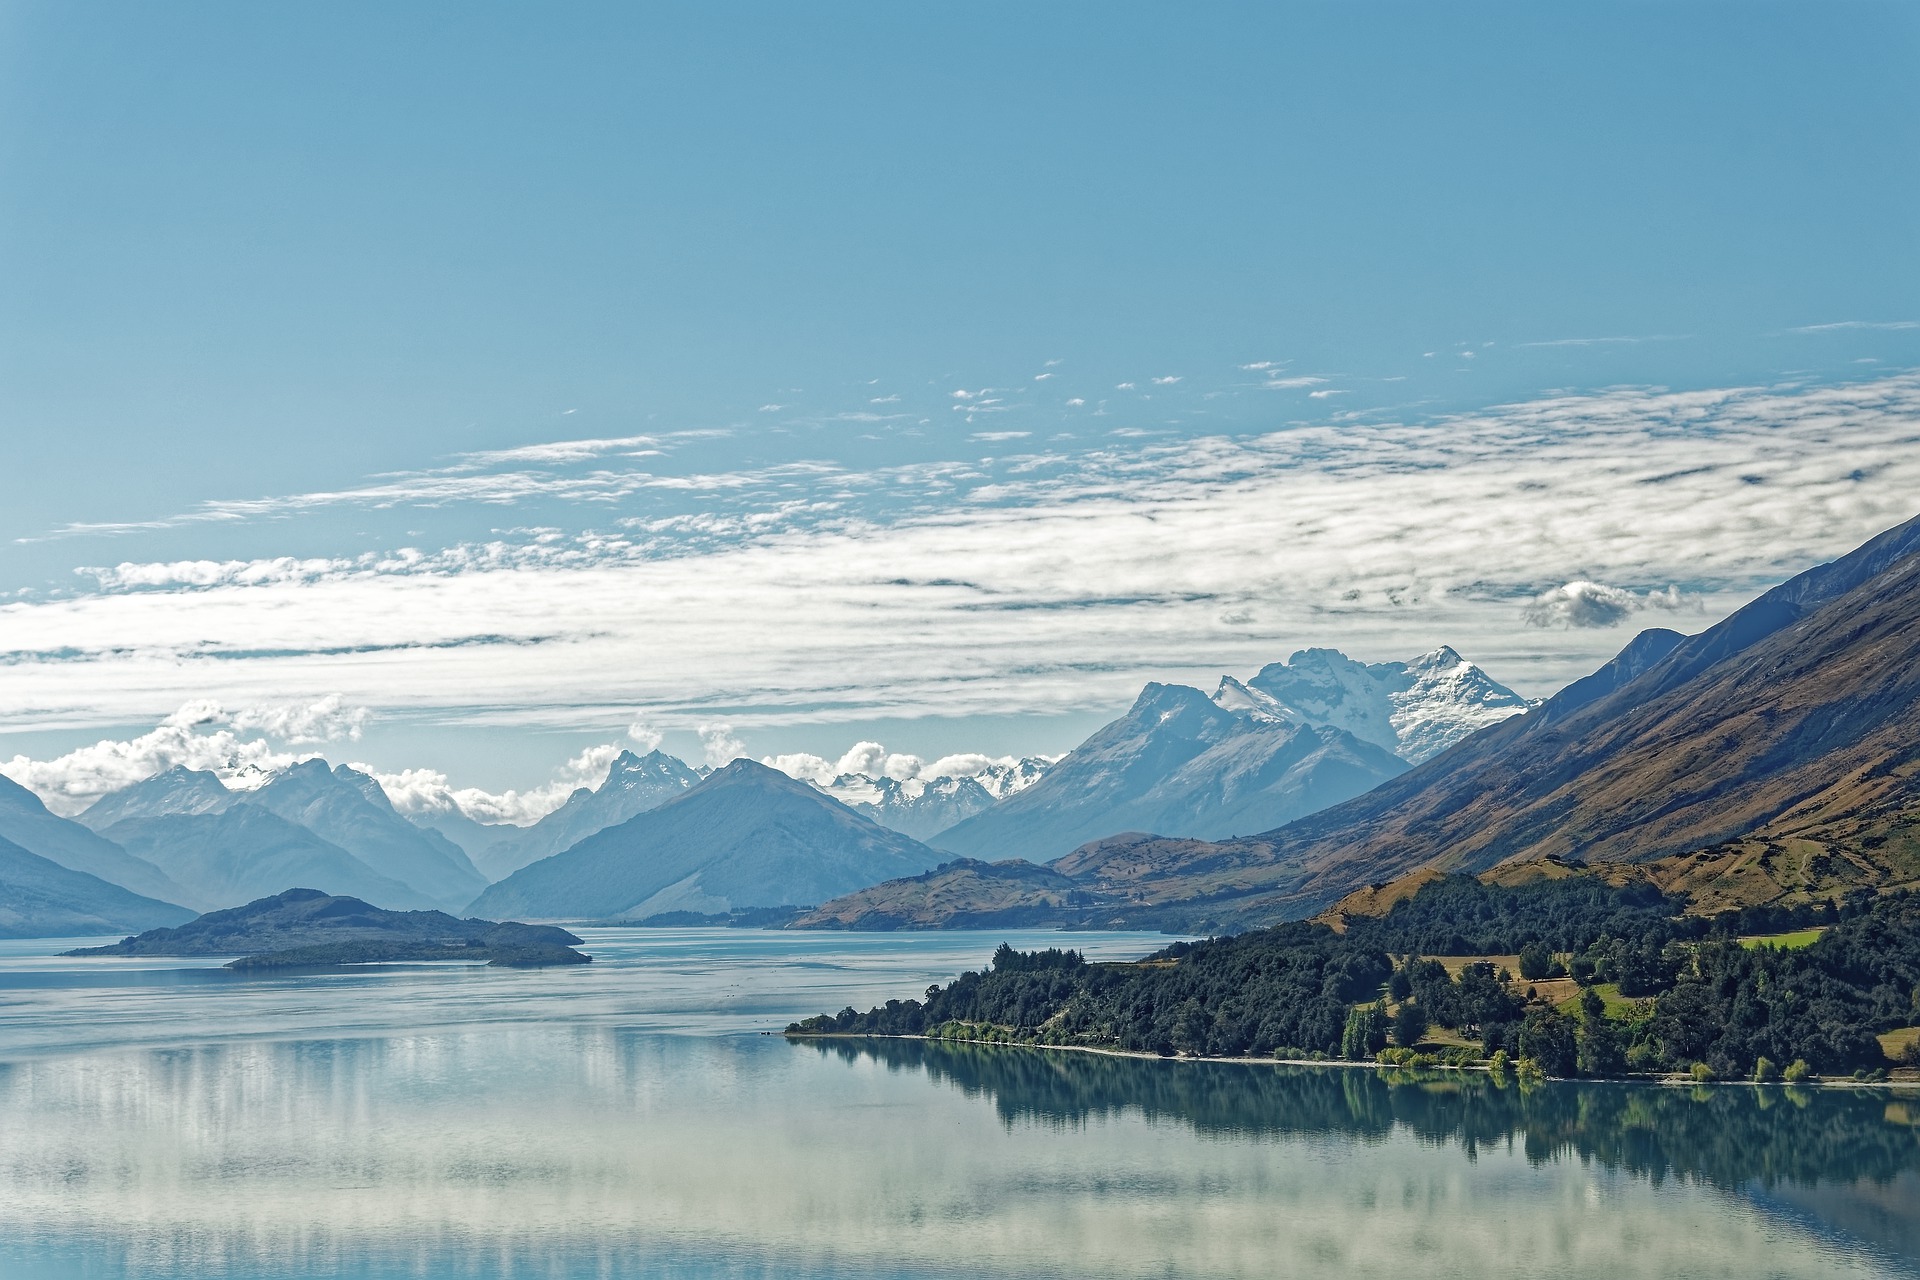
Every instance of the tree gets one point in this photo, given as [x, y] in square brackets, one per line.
[1547, 1037]
[1409, 1025]
[1603, 1050]
[1535, 961]
[1366, 1033]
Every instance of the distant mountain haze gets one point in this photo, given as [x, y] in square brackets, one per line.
[746, 836]
[40, 898]
[245, 852]
[634, 784]
[348, 809]
[175, 790]
[29, 824]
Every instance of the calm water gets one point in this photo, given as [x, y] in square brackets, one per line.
[165, 1119]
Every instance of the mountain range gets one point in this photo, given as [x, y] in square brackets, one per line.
[1790, 731]
[309, 824]
[40, 898]
[633, 785]
[746, 836]
[1299, 736]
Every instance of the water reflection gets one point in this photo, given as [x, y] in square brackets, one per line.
[548, 1150]
[1729, 1137]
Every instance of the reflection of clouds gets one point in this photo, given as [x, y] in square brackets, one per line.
[540, 1150]
[1041, 582]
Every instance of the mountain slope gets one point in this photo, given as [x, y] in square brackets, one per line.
[747, 836]
[39, 898]
[634, 784]
[175, 790]
[1800, 708]
[28, 823]
[1179, 763]
[347, 808]
[248, 852]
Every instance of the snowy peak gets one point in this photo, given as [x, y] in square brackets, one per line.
[1415, 709]
[176, 790]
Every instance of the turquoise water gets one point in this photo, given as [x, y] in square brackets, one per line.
[629, 1119]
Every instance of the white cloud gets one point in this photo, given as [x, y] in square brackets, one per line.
[1040, 585]
[1595, 604]
[428, 791]
[240, 746]
[1167, 381]
[1290, 384]
[1076, 402]
[720, 744]
[1857, 324]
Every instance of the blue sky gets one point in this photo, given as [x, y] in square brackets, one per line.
[509, 375]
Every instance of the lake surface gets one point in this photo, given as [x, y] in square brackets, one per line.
[629, 1118]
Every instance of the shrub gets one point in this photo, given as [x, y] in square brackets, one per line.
[1796, 1071]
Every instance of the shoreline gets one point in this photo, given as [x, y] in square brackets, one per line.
[1669, 1079]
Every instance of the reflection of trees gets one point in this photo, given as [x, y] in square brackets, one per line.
[1725, 1136]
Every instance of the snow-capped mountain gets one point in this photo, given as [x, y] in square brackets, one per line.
[1415, 709]
[634, 784]
[1302, 734]
[919, 807]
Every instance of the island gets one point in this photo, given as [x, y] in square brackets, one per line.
[306, 928]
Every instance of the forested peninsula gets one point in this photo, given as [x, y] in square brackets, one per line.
[1560, 977]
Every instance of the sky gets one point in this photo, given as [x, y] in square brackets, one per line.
[471, 390]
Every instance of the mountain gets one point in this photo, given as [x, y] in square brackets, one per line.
[176, 790]
[248, 852]
[1414, 709]
[28, 823]
[918, 807]
[923, 807]
[307, 927]
[348, 809]
[634, 784]
[1798, 713]
[39, 898]
[475, 839]
[963, 894]
[1178, 763]
[747, 836]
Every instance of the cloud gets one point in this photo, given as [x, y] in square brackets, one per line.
[419, 792]
[720, 744]
[1595, 604]
[644, 737]
[1076, 402]
[1027, 585]
[1322, 395]
[1167, 381]
[997, 436]
[1857, 324]
[241, 746]
[1602, 342]
[1289, 384]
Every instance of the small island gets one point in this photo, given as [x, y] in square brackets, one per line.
[306, 928]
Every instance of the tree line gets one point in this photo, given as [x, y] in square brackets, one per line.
[1690, 997]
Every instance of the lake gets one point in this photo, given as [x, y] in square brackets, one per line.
[630, 1118]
